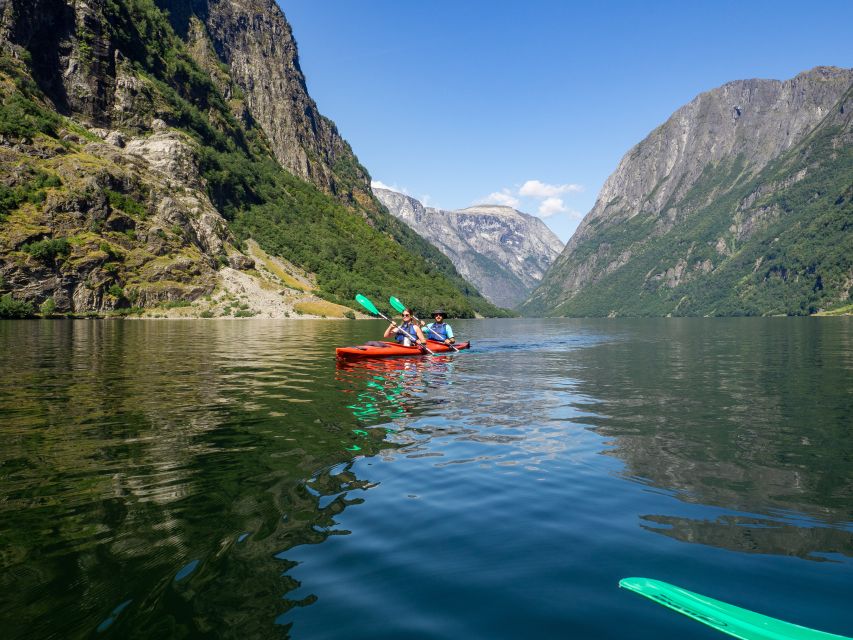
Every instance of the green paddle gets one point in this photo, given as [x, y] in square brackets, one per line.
[371, 308]
[735, 621]
[399, 306]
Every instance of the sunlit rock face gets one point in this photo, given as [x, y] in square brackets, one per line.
[255, 42]
[503, 252]
[726, 172]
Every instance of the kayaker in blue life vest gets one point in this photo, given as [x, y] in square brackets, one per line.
[404, 330]
[439, 330]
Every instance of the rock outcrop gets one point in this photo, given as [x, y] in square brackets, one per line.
[77, 61]
[685, 223]
[503, 252]
[86, 241]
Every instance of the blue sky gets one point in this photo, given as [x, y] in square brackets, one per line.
[534, 103]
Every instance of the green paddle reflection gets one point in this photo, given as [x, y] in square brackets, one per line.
[389, 390]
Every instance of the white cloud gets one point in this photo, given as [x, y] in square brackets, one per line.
[539, 189]
[550, 206]
[504, 197]
[378, 184]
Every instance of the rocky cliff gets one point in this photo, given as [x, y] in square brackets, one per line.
[503, 252]
[167, 153]
[738, 204]
[254, 41]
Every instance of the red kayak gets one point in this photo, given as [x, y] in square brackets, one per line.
[389, 349]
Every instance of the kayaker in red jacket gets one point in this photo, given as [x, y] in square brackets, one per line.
[406, 327]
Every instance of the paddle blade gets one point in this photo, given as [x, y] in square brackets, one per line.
[367, 304]
[735, 621]
[399, 306]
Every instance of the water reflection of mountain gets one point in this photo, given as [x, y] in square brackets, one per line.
[135, 457]
[756, 535]
[750, 415]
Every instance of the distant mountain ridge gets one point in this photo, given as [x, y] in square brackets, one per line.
[502, 251]
[740, 203]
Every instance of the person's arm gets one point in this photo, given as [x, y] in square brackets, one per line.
[392, 328]
[420, 333]
[450, 338]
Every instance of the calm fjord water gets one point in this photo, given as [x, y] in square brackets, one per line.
[228, 479]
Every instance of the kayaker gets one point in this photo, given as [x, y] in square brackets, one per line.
[439, 330]
[406, 327]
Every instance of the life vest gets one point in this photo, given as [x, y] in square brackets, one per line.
[437, 328]
[409, 328]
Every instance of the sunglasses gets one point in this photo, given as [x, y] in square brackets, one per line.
[407, 315]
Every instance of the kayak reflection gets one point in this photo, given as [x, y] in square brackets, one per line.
[379, 349]
[393, 389]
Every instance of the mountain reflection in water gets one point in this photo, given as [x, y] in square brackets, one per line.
[151, 471]
[756, 535]
[753, 417]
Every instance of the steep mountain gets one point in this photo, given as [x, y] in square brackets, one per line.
[740, 204]
[254, 41]
[503, 252]
[168, 153]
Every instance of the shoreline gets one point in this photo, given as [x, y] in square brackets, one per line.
[362, 316]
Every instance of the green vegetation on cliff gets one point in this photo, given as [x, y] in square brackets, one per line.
[779, 242]
[350, 253]
[11, 308]
[363, 250]
[32, 188]
[351, 247]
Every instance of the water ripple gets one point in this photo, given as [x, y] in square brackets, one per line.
[192, 478]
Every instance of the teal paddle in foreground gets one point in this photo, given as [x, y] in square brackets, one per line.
[371, 308]
[737, 622]
[399, 306]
